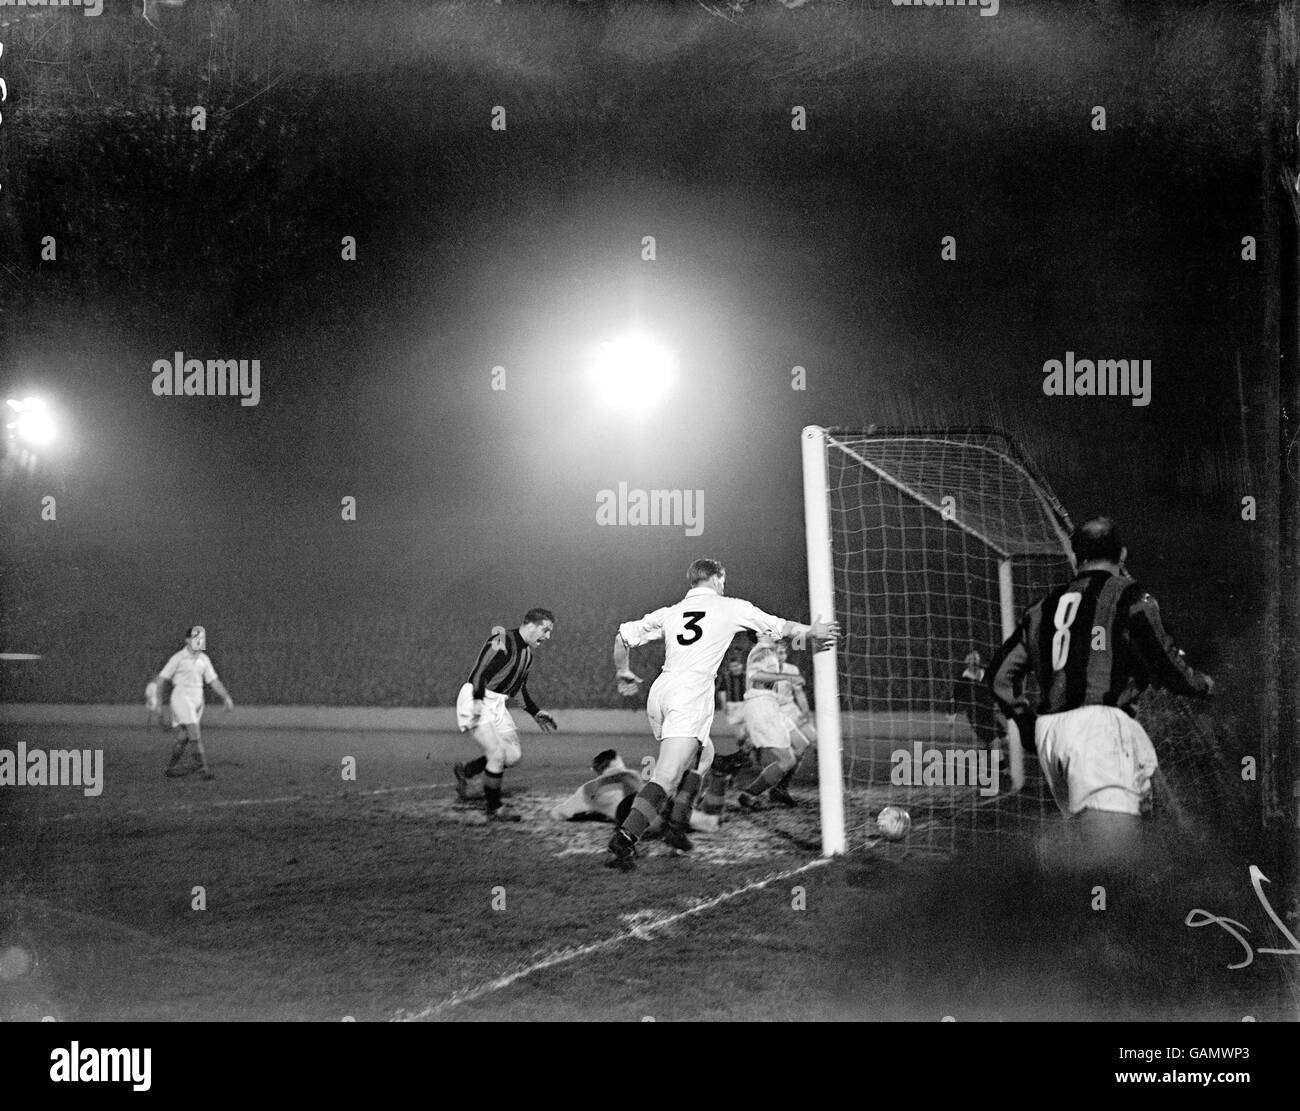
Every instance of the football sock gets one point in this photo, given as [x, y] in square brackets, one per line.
[649, 801]
[770, 777]
[789, 776]
[684, 800]
[475, 767]
[178, 750]
[200, 756]
[715, 793]
[492, 789]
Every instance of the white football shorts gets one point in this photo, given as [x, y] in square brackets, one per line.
[495, 712]
[500, 742]
[680, 704]
[767, 725]
[187, 707]
[1095, 758]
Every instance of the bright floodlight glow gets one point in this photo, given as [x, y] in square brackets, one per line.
[632, 373]
[31, 423]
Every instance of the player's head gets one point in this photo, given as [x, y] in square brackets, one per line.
[783, 650]
[538, 626]
[973, 659]
[607, 761]
[707, 572]
[1097, 541]
[736, 663]
[197, 638]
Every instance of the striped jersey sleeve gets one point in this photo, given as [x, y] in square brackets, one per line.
[1098, 641]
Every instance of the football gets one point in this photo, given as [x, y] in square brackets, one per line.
[893, 823]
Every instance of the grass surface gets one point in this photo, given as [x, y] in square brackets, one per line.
[374, 899]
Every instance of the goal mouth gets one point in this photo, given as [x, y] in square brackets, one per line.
[927, 544]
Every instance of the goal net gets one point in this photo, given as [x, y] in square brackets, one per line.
[927, 545]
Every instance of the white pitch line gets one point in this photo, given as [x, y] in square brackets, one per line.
[184, 807]
[641, 932]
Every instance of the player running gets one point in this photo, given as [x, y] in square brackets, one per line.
[500, 673]
[696, 633]
[768, 727]
[1094, 645]
[188, 670]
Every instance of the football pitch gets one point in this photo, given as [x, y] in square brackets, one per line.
[282, 891]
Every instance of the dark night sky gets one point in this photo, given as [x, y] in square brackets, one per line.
[477, 248]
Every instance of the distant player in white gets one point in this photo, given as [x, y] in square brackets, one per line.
[769, 730]
[188, 670]
[697, 631]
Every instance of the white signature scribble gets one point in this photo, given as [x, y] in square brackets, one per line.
[1257, 879]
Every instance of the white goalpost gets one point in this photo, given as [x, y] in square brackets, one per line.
[925, 545]
[821, 597]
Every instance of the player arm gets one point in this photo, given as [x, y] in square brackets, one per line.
[210, 677]
[1164, 661]
[1006, 676]
[823, 631]
[801, 699]
[571, 807]
[622, 654]
[630, 635]
[529, 705]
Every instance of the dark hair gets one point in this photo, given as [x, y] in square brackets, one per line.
[703, 569]
[603, 760]
[537, 615]
[1097, 539]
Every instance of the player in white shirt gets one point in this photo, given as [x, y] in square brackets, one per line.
[792, 695]
[188, 670]
[600, 798]
[697, 631]
[609, 796]
[768, 727]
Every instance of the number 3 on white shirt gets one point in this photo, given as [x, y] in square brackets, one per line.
[1066, 611]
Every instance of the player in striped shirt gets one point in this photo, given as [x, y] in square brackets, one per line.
[697, 631]
[1094, 646]
[500, 673]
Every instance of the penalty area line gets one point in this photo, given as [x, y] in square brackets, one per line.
[642, 931]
